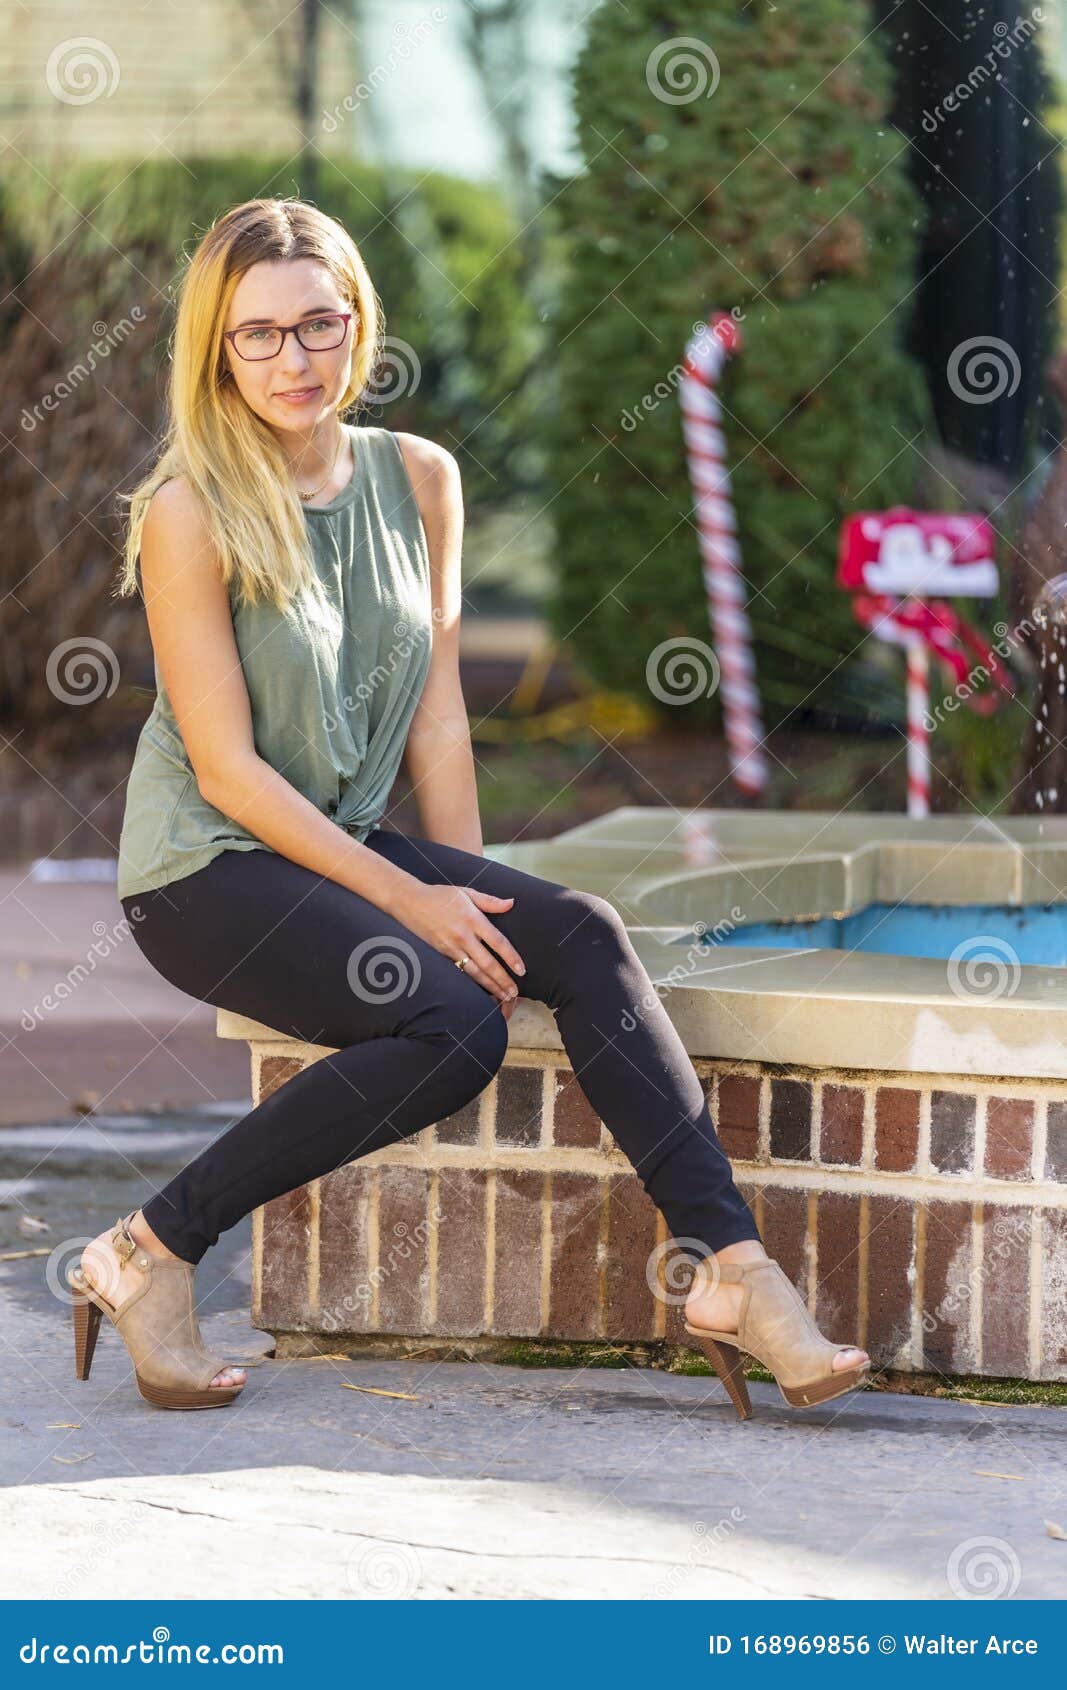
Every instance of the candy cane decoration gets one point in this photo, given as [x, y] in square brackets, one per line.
[918, 692]
[929, 629]
[705, 446]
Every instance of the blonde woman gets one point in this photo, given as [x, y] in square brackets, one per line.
[301, 579]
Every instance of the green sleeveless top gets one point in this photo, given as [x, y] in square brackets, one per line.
[333, 683]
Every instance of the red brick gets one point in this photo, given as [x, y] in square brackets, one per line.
[517, 1264]
[1054, 1304]
[1056, 1142]
[896, 1129]
[785, 1230]
[633, 1221]
[791, 1120]
[573, 1288]
[952, 1131]
[946, 1293]
[403, 1249]
[461, 1247]
[841, 1134]
[284, 1304]
[575, 1123]
[346, 1288]
[518, 1106]
[737, 1116]
[1009, 1137]
[838, 1265]
[274, 1071]
[1006, 1290]
[890, 1262]
[461, 1127]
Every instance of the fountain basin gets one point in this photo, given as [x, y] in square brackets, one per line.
[897, 1121]
[1034, 933]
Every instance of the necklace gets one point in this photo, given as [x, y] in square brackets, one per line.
[304, 497]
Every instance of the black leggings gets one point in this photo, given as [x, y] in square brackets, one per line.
[413, 1038]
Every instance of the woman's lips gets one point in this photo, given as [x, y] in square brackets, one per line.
[299, 396]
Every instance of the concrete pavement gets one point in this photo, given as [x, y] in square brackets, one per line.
[435, 1478]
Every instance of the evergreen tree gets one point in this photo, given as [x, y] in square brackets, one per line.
[737, 158]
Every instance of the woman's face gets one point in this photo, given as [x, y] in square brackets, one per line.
[296, 388]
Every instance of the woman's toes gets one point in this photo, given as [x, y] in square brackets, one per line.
[850, 1358]
[229, 1377]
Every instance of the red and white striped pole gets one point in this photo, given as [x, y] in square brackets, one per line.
[918, 684]
[705, 446]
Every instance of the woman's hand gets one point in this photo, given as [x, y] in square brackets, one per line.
[451, 919]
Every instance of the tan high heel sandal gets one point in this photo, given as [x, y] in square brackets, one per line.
[158, 1325]
[775, 1327]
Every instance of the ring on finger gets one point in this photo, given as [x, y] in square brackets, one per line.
[463, 961]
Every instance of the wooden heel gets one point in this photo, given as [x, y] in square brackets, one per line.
[726, 1360]
[86, 1326]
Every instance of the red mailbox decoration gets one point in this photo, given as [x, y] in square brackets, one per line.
[896, 563]
[917, 553]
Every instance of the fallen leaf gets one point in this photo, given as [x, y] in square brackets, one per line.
[1055, 1531]
[372, 1390]
[988, 1473]
[73, 1460]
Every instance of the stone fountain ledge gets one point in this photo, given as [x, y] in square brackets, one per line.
[904, 1146]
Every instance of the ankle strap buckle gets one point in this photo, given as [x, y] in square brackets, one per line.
[124, 1244]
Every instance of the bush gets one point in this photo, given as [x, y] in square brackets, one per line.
[781, 193]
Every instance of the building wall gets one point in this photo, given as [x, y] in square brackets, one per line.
[186, 78]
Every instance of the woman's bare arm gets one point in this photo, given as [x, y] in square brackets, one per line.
[191, 627]
[438, 755]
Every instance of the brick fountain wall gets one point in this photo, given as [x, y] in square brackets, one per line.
[926, 1221]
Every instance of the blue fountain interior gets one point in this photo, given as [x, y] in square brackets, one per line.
[1035, 933]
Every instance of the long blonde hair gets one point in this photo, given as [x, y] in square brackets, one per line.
[228, 453]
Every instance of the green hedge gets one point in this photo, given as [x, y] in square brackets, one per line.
[780, 193]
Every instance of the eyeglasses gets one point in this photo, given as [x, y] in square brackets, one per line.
[318, 334]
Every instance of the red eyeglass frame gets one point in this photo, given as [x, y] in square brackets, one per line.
[293, 328]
